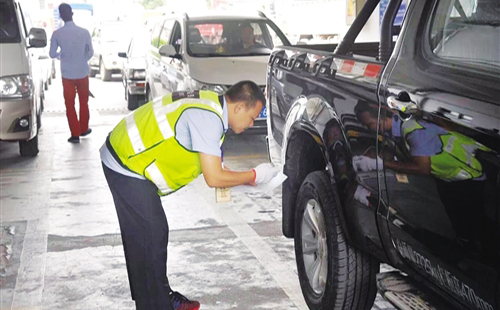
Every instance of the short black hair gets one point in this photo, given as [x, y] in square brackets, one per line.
[65, 12]
[248, 92]
[364, 107]
[246, 25]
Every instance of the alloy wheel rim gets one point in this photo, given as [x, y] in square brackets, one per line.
[314, 246]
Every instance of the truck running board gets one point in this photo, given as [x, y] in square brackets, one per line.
[399, 290]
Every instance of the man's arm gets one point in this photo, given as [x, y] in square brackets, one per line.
[89, 48]
[53, 47]
[215, 176]
[419, 165]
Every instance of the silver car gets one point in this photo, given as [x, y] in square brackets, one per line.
[134, 71]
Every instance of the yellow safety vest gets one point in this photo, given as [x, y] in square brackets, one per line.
[144, 141]
[456, 161]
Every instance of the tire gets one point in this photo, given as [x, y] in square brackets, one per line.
[29, 148]
[46, 85]
[132, 101]
[105, 74]
[39, 116]
[344, 277]
[149, 97]
[50, 80]
[93, 73]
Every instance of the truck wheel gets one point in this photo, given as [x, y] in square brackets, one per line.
[132, 101]
[93, 73]
[333, 275]
[29, 148]
[105, 74]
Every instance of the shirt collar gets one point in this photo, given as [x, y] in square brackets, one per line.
[396, 126]
[225, 117]
[70, 22]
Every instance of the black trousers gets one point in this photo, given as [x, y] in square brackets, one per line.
[144, 230]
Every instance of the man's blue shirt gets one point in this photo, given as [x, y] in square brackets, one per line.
[422, 142]
[75, 50]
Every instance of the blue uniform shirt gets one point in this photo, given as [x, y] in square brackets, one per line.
[423, 142]
[75, 50]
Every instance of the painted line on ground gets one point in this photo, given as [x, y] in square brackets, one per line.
[285, 278]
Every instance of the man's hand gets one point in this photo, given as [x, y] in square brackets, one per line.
[365, 163]
[264, 173]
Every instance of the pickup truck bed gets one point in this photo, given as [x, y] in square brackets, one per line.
[392, 155]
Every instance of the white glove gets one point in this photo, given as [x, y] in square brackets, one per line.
[264, 173]
[365, 163]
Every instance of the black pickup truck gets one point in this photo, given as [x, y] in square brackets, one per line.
[391, 150]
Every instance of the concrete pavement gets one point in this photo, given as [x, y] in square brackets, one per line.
[59, 225]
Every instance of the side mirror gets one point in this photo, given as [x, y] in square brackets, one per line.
[37, 37]
[169, 51]
[122, 55]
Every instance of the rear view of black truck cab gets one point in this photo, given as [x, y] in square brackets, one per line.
[391, 149]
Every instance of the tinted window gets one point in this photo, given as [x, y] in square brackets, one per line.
[467, 31]
[9, 30]
[230, 38]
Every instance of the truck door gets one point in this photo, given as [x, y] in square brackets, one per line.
[440, 122]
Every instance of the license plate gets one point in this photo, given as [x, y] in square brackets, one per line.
[263, 113]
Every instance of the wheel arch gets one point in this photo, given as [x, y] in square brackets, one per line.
[305, 150]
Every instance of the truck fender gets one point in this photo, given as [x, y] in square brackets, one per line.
[308, 123]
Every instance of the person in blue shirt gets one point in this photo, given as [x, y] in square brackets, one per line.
[73, 46]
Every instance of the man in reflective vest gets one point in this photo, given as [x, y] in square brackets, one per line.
[444, 154]
[156, 150]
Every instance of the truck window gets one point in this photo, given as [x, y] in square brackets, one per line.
[467, 31]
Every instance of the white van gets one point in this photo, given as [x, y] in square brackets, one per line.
[20, 92]
[192, 52]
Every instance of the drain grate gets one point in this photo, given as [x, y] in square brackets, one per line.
[407, 301]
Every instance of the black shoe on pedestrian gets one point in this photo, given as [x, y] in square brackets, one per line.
[74, 139]
[86, 133]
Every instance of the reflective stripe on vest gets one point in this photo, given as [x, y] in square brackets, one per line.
[158, 179]
[456, 161]
[145, 140]
[160, 111]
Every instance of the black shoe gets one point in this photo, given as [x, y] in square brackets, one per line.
[74, 139]
[180, 302]
[86, 133]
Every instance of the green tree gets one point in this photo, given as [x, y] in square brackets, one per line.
[152, 4]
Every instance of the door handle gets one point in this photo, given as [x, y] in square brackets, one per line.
[407, 107]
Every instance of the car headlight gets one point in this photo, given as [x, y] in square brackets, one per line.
[16, 86]
[220, 89]
[137, 74]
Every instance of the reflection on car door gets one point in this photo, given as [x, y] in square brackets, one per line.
[162, 83]
[175, 67]
[440, 120]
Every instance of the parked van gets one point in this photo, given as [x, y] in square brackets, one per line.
[20, 94]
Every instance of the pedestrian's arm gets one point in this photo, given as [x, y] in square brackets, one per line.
[89, 49]
[216, 176]
[419, 165]
[53, 47]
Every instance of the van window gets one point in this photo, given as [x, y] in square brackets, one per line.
[467, 31]
[9, 29]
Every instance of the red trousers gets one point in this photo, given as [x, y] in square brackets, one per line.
[71, 87]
